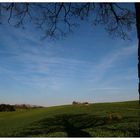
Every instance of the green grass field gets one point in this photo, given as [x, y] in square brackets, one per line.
[96, 120]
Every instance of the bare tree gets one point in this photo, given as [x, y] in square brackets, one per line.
[58, 19]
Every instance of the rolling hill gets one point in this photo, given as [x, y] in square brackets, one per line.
[119, 119]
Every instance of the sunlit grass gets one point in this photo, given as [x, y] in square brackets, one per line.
[95, 120]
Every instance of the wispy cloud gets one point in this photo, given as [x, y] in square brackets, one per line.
[111, 62]
[36, 68]
[36, 64]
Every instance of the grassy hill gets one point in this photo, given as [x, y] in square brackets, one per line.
[118, 119]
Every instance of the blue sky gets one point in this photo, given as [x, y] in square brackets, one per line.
[88, 65]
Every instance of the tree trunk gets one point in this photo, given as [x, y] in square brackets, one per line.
[137, 7]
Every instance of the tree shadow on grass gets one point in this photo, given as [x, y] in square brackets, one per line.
[71, 125]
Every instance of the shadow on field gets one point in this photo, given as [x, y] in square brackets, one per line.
[71, 125]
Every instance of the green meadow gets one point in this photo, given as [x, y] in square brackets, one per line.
[118, 119]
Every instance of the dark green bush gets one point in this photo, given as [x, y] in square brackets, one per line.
[6, 107]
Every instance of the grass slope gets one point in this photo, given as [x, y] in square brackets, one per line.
[73, 121]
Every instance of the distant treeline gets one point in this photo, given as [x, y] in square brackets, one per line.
[7, 107]
[26, 106]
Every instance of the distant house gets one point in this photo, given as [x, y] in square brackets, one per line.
[80, 103]
[85, 103]
[74, 102]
